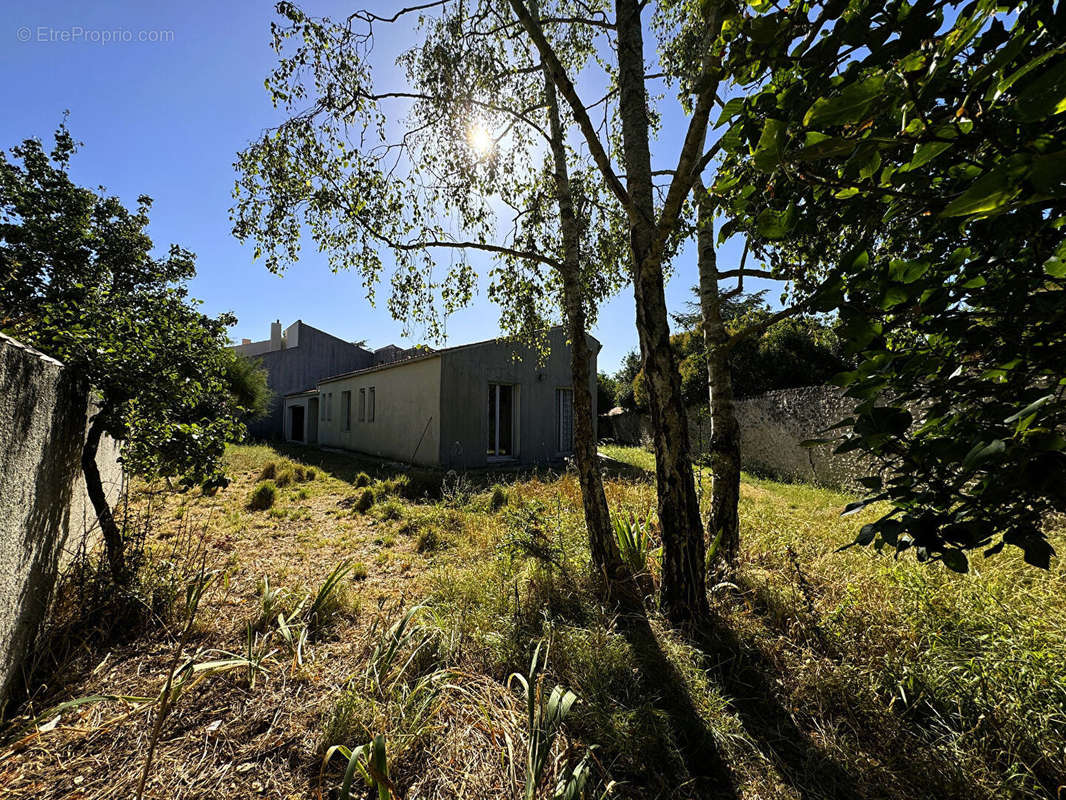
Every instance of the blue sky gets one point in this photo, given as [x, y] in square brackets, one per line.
[166, 116]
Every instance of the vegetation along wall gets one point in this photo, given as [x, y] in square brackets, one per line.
[772, 425]
[45, 515]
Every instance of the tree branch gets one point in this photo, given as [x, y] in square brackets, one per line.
[566, 88]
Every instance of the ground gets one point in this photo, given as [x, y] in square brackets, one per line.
[823, 674]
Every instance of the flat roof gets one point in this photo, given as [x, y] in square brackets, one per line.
[431, 354]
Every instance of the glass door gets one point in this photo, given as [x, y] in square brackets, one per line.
[501, 420]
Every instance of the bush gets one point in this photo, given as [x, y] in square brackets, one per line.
[284, 477]
[299, 473]
[365, 501]
[361, 480]
[270, 469]
[498, 499]
[311, 473]
[263, 496]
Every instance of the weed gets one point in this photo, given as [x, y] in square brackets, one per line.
[359, 572]
[270, 469]
[263, 496]
[498, 499]
[284, 477]
[429, 540]
[370, 762]
[634, 540]
[310, 474]
[365, 501]
[361, 481]
[390, 510]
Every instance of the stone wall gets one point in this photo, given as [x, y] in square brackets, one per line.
[45, 514]
[772, 425]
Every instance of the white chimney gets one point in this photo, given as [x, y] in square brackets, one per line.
[275, 335]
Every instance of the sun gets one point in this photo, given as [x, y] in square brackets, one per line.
[479, 138]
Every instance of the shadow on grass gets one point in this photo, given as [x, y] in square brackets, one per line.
[423, 481]
[710, 776]
[881, 763]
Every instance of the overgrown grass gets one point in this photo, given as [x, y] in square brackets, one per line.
[824, 674]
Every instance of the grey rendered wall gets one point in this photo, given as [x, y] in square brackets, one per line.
[772, 425]
[317, 355]
[45, 515]
[406, 424]
[465, 376]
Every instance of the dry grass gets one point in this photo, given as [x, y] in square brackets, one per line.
[824, 675]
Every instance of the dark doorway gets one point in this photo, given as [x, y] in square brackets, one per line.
[296, 423]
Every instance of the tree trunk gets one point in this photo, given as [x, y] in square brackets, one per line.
[723, 523]
[602, 545]
[116, 555]
[683, 594]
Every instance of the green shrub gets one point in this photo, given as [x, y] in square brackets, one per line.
[299, 473]
[284, 477]
[498, 499]
[270, 469]
[310, 473]
[361, 480]
[263, 496]
[365, 501]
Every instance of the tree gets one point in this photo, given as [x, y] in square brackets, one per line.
[938, 150]
[80, 283]
[606, 393]
[367, 193]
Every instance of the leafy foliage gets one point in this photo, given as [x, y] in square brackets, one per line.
[932, 136]
[78, 280]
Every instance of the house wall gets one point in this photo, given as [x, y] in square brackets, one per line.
[466, 373]
[309, 356]
[45, 514]
[407, 409]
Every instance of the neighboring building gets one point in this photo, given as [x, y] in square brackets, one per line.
[296, 359]
[467, 406]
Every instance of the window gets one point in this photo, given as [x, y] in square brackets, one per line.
[346, 409]
[362, 405]
[501, 420]
[370, 406]
[329, 406]
[322, 407]
[564, 419]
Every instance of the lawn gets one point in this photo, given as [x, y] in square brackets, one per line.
[824, 674]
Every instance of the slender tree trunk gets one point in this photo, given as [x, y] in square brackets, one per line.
[723, 520]
[116, 555]
[683, 594]
[605, 556]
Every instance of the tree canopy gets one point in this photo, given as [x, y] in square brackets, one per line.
[920, 150]
[81, 283]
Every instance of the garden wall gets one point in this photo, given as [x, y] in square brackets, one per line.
[772, 425]
[45, 514]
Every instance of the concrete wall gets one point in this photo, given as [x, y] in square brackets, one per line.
[466, 373]
[407, 412]
[314, 356]
[772, 425]
[45, 515]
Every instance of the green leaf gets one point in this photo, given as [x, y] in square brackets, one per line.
[991, 191]
[1029, 409]
[926, 152]
[894, 296]
[772, 224]
[907, 271]
[732, 108]
[1045, 97]
[768, 151]
[849, 106]
[1055, 267]
[982, 452]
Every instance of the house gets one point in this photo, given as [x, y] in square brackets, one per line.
[297, 358]
[467, 406]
